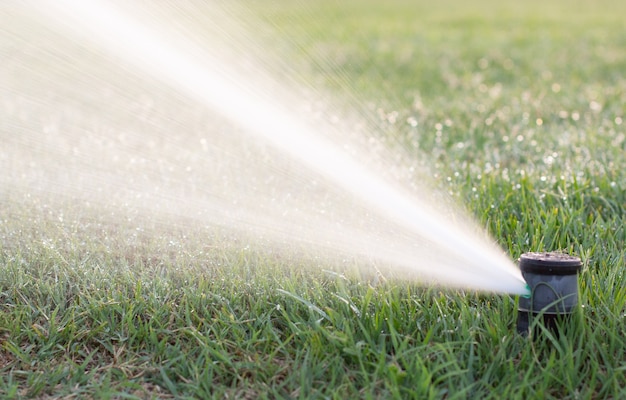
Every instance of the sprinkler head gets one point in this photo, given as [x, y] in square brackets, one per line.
[553, 282]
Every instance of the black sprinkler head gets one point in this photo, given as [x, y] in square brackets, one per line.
[553, 282]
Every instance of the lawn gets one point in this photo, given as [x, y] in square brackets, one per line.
[518, 110]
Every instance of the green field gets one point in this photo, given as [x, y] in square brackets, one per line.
[518, 108]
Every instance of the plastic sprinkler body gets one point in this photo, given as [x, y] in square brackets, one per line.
[553, 282]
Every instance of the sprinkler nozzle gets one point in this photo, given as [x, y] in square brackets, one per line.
[528, 292]
[553, 286]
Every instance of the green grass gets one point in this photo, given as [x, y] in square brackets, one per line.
[522, 110]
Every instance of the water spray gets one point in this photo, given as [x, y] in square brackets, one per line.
[552, 280]
[120, 52]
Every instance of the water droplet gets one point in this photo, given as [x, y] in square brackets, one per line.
[595, 106]
[392, 117]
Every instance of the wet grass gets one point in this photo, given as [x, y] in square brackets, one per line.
[522, 114]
